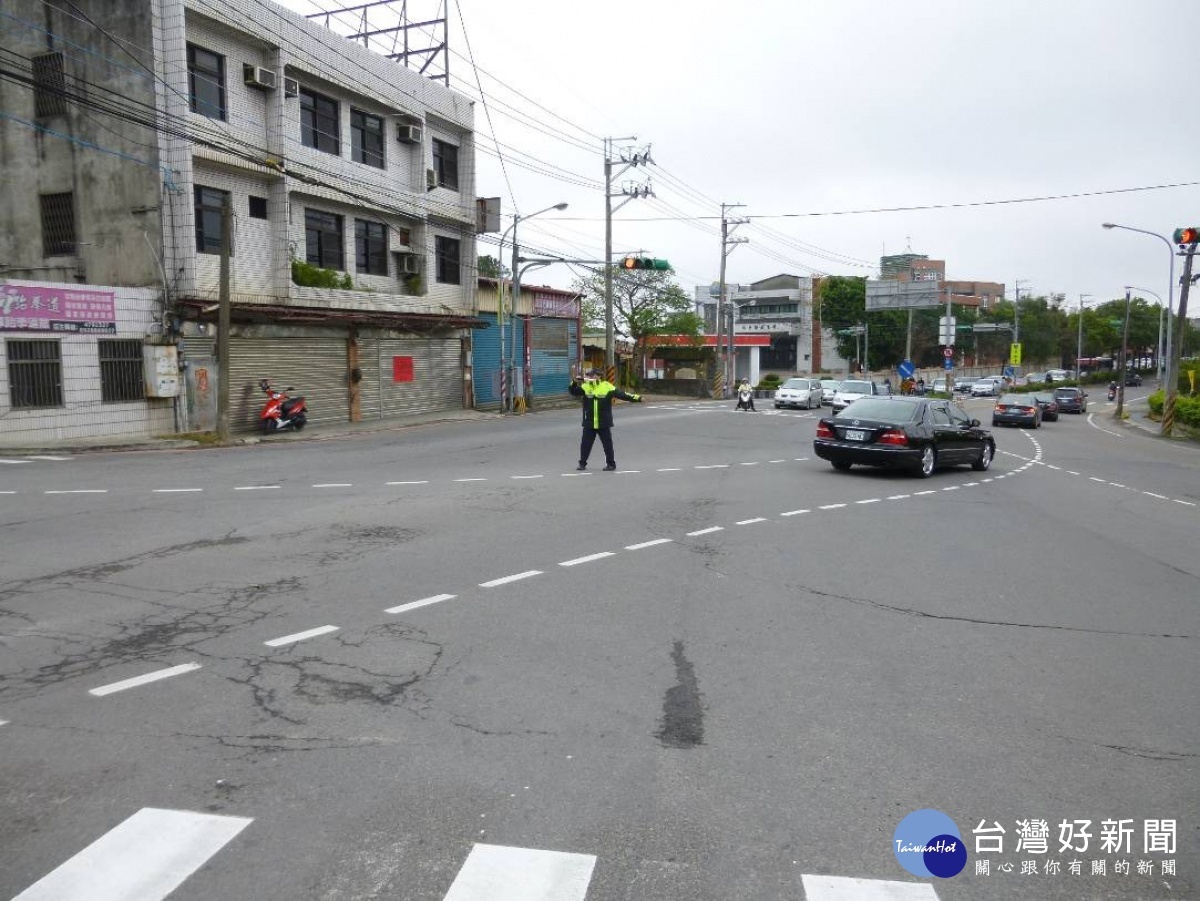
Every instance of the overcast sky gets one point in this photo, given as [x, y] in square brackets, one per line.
[802, 110]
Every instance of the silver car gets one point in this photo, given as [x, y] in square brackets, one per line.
[851, 390]
[799, 392]
[828, 389]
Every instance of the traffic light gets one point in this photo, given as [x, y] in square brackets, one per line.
[645, 263]
[1187, 236]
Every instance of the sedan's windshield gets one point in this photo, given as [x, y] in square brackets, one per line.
[855, 388]
[1065, 392]
[830, 384]
[895, 410]
[796, 383]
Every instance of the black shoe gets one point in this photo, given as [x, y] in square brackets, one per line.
[581, 465]
[610, 467]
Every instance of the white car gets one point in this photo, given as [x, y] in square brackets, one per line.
[851, 390]
[828, 389]
[991, 386]
[799, 392]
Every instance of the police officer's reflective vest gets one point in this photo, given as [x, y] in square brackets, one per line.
[597, 402]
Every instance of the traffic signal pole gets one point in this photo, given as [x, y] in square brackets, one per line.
[610, 359]
[1176, 339]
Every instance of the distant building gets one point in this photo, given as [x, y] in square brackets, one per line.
[917, 267]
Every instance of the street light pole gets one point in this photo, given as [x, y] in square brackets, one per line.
[515, 292]
[1168, 379]
[1158, 361]
[1121, 370]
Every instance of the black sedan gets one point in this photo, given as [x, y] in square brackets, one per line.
[1017, 409]
[916, 433]
[1048, 404]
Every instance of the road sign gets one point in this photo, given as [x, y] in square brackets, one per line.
[1014, 354]
[1008, 372]
[946, 330]
[888, 294]
[906, 369]
[948, 363]
[948, 352]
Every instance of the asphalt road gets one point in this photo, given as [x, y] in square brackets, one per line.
[438, 663]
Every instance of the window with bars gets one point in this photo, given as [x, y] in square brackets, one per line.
[366, 138]
[210, 204]
[445, 163]
[34, 374]
[49, 83]
[258, 207]
[370, 247]
[323, 239]
[206, 82]
[120, 370]
[319, 126]
[447, 251]
[58, 224]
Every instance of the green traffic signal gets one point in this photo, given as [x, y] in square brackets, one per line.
[645, 263]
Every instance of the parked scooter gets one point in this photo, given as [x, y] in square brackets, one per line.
[281, 412]
[1112, 390]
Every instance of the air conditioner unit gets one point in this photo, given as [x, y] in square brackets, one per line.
[431, 179]
[409, 263]
[409, 134]
[258, 77]
[291, 87]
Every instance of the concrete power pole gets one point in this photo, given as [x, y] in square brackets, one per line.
[637, 159]
[1168, 418]
[726, 351]
[223, 324]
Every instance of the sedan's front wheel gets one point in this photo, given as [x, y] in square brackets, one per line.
[928, 462]
[985, 458]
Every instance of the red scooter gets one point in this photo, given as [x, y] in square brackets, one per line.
[281, 412]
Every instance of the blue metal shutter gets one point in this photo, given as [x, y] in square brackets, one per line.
[555, 346]
[485, 358]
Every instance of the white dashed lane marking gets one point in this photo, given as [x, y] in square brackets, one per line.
[424, 602]
[588, 559]
[504, 580]
[746, 522]
[706, 531]
[645, 544]
[300, 636]
[146, 679]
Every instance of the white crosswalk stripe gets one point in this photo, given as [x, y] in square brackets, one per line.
[145, 858]
[841, 888]
[498, 873]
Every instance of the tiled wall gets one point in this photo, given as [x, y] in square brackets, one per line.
[84, 414]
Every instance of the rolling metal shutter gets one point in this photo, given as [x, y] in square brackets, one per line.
[437, 376]
[316, 366]
[555, 346]
[486, 358]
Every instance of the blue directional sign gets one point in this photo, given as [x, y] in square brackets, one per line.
[906, 369]
[948, 363]
[1008, 371]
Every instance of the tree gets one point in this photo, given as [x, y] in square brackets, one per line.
[489, 267]
[645, 302]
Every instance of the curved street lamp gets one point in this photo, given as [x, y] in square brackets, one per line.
[506, 364]
[1160, 325]
[1167, 377]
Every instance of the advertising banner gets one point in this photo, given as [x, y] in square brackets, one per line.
[42, 309]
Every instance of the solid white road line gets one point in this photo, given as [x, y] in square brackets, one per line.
[638, 547]
[143, 680]
[496, 873]
[145, 858]
[513, 578]
[176, 490]
[424, 602]
[13, 462]
[841, 888]
[56, 459]
[587, 559]
[706, 531]
[416, 482]
[300, 636]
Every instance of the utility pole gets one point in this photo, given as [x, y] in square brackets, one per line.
[1079, 342]
[610, 360]
[1124, 361]
[223, 322]
[725, 351]
[1188, 252]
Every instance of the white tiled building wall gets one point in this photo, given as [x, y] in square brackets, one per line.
[266, 125]
[84, 414]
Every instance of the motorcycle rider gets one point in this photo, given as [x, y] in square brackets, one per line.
[745, 396]
[1112, 390]
[597, 394]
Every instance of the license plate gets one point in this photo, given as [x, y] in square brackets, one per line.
[855, 435]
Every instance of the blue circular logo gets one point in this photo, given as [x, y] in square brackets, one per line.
[927, 843]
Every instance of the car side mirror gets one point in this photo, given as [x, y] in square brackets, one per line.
[974, 423]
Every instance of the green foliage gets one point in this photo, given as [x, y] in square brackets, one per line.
[769, 382]
[412, 282]
[310, 276]
[489, 267]
[1187, 409]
